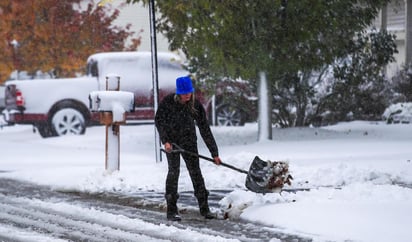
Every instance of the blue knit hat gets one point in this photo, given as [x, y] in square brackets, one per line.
[184, 85]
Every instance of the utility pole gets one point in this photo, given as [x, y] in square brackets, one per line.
[408, 31]
[155, 78]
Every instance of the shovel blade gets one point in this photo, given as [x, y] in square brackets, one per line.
[266, 176]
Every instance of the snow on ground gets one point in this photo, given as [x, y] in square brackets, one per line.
[368, 164]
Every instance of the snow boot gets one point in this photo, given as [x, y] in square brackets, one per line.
[208, 215]
[204, 206]
[173, 217]
[172, 213]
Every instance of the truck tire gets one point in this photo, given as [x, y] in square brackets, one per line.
[67, 119]
[45, 130]
[228, 115]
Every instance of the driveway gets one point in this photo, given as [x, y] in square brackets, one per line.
[32, 213]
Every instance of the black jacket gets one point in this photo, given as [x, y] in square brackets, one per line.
[176, 124]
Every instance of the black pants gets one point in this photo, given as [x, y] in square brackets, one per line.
[192, 164]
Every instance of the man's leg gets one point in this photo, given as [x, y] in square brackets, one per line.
[172, 180]
[192, 164]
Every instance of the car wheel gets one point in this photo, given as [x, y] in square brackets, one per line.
[227, 115]
[68, 121]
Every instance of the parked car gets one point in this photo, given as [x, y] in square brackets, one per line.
[398, 113]
[236, 103]
[61, 106]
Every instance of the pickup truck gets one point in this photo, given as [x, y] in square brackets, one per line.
[61, 106]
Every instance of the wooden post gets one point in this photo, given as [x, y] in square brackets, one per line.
[110, 104]
[112, 130]
[112, 146]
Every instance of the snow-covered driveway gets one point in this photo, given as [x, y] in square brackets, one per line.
[37, 213]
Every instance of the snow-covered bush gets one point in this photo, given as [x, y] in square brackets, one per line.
[398, 113]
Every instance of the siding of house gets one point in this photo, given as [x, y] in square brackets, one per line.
[396, 24]
[138, 17]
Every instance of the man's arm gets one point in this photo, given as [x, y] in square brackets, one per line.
[205, 130]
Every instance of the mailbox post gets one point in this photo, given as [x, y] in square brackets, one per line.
[112, 105]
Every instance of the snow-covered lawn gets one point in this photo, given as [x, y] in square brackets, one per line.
[368, 165]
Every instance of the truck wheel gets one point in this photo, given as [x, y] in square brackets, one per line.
[68, 121]
[45, 130]
[228, 115]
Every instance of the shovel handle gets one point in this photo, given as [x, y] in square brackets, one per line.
[181, 150]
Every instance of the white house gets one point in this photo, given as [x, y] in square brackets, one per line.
[396, 17]
[138, 16]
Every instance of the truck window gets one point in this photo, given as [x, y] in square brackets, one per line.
[92, 69]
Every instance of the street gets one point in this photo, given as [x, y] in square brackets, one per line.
[38, 213]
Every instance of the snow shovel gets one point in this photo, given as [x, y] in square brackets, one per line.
[263, 176]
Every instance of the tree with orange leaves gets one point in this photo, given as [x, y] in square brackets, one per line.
[57, 36]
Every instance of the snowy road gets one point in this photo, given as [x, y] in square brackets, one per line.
[37, 213]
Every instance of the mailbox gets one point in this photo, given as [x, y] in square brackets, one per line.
[112, 105]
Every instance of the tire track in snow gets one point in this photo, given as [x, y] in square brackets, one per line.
[10, 233]
[35, 216]
[79, 222]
